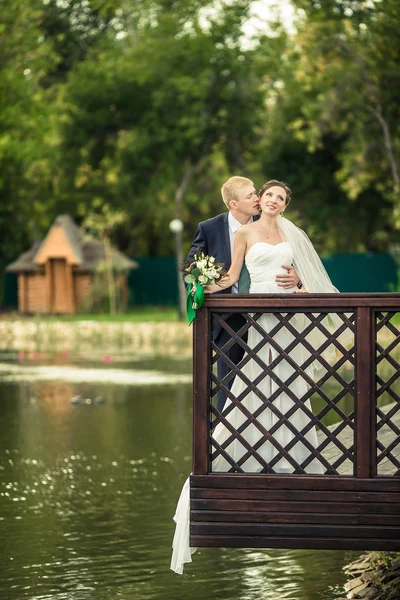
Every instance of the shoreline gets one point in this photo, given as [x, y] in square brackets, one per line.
[147, 339]
[374, 576]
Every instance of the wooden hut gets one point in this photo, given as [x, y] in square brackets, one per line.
[55, 275]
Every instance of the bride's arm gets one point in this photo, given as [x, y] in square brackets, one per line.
[232, 276]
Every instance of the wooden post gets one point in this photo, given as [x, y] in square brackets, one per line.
[365, 394]
[373, 401]
[201, 391]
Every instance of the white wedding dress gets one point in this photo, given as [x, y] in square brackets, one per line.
[264, 261]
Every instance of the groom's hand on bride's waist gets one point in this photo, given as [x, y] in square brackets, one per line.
[287, 280]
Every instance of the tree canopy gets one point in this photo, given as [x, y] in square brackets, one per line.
[145, 108]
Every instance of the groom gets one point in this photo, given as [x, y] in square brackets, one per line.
[216, 237]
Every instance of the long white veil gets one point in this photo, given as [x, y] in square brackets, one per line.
[306, 261]
[315, 279]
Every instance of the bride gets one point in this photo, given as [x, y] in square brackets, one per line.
[265, 245]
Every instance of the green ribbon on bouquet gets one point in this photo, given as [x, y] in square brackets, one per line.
[195, 302]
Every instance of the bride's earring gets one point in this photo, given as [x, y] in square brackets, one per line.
[282, 213]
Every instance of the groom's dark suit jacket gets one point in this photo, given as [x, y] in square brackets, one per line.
[212, 238]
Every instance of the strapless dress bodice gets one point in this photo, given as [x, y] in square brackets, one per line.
[264, 262]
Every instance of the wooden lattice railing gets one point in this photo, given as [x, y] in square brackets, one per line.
[306, 452]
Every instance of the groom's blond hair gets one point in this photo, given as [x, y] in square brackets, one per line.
[231, 187]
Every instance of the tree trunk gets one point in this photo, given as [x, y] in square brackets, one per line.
[182, 189]
[377, 112]
[110, 277]
[179, 196]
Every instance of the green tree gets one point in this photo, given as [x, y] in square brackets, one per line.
[25, 57]
[145, 119]
[344, 62]
[148, 107]
[323, 131]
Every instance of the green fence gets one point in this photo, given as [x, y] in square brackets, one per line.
[154, 282]
[367, 272]
[8, 289]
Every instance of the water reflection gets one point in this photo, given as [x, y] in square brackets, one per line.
[86, 499]
[80, 374]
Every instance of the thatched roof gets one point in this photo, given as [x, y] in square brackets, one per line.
[88, 251]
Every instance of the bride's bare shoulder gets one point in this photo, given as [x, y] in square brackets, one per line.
[246, 232]
[253, 225]
[242, 231]
[245, 229]
[249, 229]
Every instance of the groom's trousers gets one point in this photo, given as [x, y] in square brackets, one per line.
[235, 354]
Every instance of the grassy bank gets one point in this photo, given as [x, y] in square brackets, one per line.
[150, 314]
[142, 333]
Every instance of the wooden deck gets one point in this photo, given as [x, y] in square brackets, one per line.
[355, 504]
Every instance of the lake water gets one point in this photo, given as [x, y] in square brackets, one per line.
[88, 491]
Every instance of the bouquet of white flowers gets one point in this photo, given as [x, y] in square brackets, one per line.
[200, 271]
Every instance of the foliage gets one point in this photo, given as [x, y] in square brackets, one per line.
[144, 109]
[336, 105]
[25, 57]
[109, 283]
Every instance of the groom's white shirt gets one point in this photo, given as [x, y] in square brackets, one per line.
[233, 227]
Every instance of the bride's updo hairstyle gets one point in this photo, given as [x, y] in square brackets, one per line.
[272, 183]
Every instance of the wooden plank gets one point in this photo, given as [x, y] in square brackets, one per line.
[379, 519]
[293, 530]
[219, 516]
[298, 482]
[201, 391]
[295, 495]
[277, 302]
[363, 391]
[298, 507]
[334, 543]
[267, 506]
